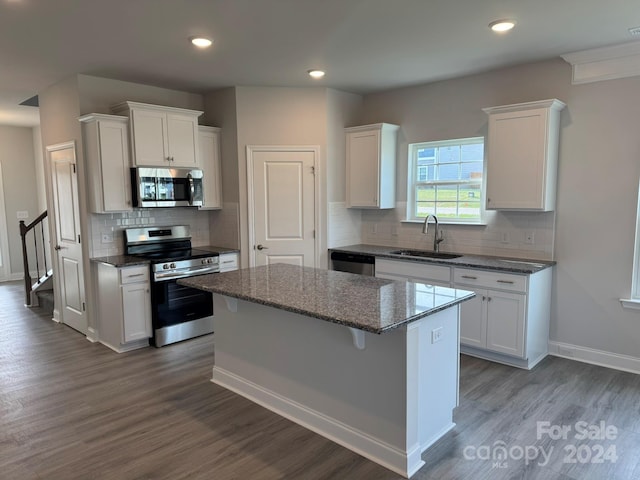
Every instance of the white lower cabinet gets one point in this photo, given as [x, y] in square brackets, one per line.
[136, 311]
[124, 306]
[228, 262]
[493, 320]
[508, 320]
[413, 271]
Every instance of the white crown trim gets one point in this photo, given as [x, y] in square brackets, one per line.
[605, 63]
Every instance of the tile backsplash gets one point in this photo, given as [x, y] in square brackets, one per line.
[344, 225]
[224, 226]
[513, 234]
[113, 225]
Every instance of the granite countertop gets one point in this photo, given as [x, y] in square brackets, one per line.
[131, 260]
[487, 262]
[219, 250]
[367, 303]
[121, 260]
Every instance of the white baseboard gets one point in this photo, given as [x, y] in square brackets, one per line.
[135, 345]
[402, 463]
[601, 358]
[92, 335]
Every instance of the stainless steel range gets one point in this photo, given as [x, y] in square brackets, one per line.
[178, 312]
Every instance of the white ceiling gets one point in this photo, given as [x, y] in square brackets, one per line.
[364, 45]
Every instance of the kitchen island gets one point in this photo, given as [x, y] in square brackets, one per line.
[369, 363]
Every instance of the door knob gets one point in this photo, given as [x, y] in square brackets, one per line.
[58, 247]
[260, 247]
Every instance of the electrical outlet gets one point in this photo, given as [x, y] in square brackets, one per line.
[436, 335]
[107, 238]
[394, 230]
[504, 237]
[530, 238]
[374, 228]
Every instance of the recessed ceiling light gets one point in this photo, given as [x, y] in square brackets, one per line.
[315, 73]
[501, 26]
[200, 42]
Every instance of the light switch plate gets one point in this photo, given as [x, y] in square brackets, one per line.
[22, 214]
[436, 335]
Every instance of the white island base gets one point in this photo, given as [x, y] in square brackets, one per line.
[387, 402]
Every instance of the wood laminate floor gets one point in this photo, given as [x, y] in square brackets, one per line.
[70, 409]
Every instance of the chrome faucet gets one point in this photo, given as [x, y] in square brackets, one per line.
[436, 238]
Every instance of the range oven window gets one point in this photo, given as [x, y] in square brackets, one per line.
[175, 304]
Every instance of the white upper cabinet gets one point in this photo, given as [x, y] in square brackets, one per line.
[106, 145]
[209, 140]
[162, 136]
[371, 166]
[522, 155]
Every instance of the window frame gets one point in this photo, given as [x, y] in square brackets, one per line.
[413, 182]
[635, 276]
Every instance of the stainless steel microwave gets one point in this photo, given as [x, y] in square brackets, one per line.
[166, 187]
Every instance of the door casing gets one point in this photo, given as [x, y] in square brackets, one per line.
[81, 326]
[251, 150]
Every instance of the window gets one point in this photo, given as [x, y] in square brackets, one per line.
[445, 179]
[634, 300]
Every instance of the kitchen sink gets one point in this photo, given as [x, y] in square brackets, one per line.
[425, 254]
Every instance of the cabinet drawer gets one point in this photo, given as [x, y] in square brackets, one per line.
[414, 270]
[493, 280]
[228, 262]
[139, 273]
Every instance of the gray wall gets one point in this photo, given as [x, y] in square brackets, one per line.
[597, 182]
[278, 116]
[20, 186]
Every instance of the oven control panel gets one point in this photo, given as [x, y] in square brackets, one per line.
[185, 268]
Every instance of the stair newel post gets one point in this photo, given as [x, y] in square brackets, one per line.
[44, 251]
[25, 263]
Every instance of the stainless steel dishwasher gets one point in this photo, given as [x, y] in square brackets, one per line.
[353, 263]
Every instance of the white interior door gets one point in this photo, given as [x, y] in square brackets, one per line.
[282, 217]
[5, 268]
[62, 159]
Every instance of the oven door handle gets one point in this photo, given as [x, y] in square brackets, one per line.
[162, 276]
[192, 190]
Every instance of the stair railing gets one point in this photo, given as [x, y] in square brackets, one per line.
[39, 252]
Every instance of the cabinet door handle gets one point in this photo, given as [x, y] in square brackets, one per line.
[471, 277]
[510, 282]
[488, 299]
[484, 298]
[231, 261]
[136, 275]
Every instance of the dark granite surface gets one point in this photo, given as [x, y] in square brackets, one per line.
[366, 303]
[213, 248]
[503, 264]
[121, 260]
[129, 260]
